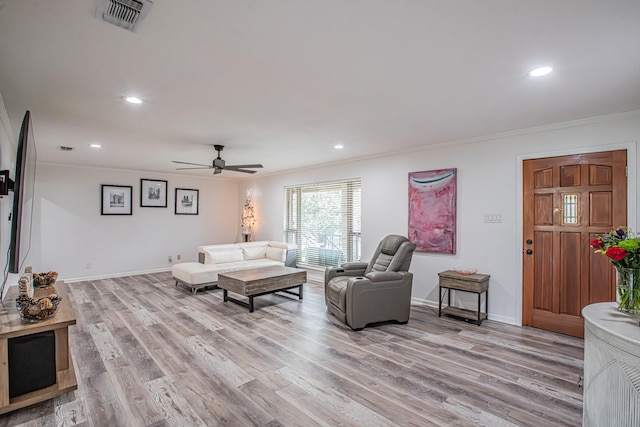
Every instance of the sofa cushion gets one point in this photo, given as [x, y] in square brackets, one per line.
[194, 273]
[243, 265]
[258, 263]
[282, 245]
[219, 256]
[253, 244]
[218, 247]
[257, 252]
[277, 254]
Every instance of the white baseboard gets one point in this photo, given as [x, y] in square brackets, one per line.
[108, 276]
[494, 317]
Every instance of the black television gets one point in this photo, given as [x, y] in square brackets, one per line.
[23, 197]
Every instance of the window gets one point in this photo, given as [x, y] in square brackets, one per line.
[323, 220]
[570, 208]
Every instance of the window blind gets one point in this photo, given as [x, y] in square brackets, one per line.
[324, 221]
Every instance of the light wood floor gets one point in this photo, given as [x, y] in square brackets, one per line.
[150, 354]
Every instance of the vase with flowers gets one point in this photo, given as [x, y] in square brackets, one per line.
[622, 247]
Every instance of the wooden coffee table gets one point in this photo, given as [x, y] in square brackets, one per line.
[254, 282]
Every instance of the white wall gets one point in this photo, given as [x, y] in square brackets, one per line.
[489, 181]
[72, 237]
[8, 143]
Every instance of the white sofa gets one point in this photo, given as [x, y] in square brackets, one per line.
[216, 259]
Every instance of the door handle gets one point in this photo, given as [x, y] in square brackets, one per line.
[529, 252]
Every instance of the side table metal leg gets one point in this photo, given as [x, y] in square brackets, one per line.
[250, 304]
[224, 295]
[439, 302]
[486, 303]
[479, 299]
[300, 292]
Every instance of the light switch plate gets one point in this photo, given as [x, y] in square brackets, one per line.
[493, 218]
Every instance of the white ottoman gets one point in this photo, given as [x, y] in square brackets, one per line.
[195, 275]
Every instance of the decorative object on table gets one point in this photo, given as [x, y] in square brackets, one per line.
[153, 193]
[465, 271]
[432, 210]
[622, 247]
[116, 200]
[43, 280]
[25, 285]
[37, 309]
[248, 217]
[186, 201]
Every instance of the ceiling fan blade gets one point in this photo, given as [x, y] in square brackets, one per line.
[184, 169]
[194, 164]
[236, 169]
[243, 166]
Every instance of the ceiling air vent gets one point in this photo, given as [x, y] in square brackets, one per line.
[127, 14]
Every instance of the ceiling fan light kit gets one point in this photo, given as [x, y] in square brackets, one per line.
[218, 165]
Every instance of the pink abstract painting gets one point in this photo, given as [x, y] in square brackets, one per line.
[432, 210]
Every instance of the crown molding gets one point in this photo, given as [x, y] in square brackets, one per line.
[464, 141]
[135, 171]
[532, 130]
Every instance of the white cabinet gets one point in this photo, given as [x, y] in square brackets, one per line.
[611, 367]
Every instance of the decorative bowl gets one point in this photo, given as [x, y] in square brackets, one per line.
[37, 309]
[465, 271]
[42, 280]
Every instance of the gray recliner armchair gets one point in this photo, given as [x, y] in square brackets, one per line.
[359, 293]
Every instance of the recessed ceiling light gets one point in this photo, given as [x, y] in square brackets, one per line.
[133, 100]
[542, 71]
[95, 145]
[338, 146]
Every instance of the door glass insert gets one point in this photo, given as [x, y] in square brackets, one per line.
[569, 208]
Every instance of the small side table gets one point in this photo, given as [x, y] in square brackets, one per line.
[474, 283]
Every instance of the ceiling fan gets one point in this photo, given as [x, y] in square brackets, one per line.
[218, 165]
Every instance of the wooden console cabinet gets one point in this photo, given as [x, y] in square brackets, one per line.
[11, 326]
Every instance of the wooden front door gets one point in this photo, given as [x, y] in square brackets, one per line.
[567, 201]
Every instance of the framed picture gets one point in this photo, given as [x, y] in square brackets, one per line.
[153, 193]
[432, 210]
[186, 201]
[116, 200]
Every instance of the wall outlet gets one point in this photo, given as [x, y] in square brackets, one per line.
[170, 259]
[178, 257]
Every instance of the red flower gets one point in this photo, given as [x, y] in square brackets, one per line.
[596, 243]
[616, 253]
